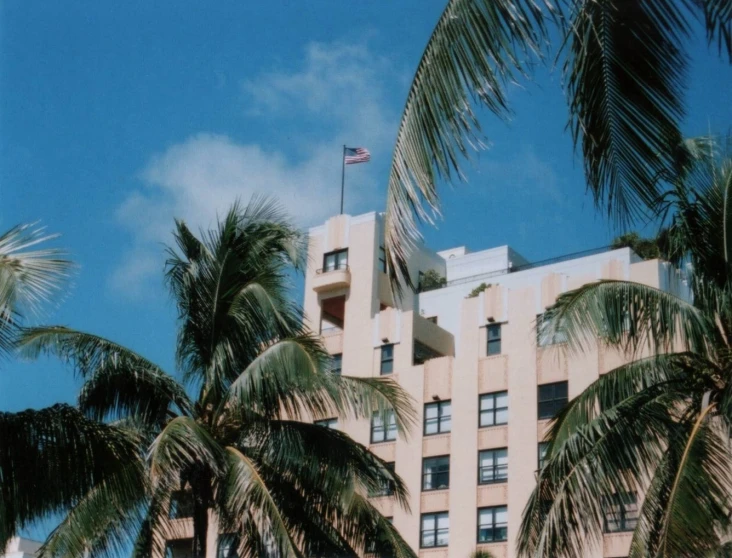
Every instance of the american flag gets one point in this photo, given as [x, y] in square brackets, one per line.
[353, 155]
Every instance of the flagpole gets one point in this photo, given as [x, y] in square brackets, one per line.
[343, 175]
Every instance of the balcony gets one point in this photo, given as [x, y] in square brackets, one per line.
[331, 280]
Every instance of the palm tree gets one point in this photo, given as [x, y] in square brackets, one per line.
[658, 427]
[42, 470]
[233, 436]
[624, 65]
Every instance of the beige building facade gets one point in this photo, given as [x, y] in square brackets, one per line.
[485, 383]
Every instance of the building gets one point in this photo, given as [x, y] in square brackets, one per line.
[21, 548]
[484, 381]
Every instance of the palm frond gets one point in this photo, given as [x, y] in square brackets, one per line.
[687, 504]
[181, 446]
[363, 397]
[632, 316]
[475, 49]
[718, 22]
[29, 278]
[51, 458]
[625, 72]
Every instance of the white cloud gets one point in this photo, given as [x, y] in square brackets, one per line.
[335, 98]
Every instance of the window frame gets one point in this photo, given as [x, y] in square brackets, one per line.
[489, 339]
[439, 419]
[553, 402]
[493, 468]
[388, 489]
[493, 525]
[435, 532]
[436, 485]
[382, 259]
[542, 339]
[386, 426]
[494, 411]
[337, 357]
[622, 518]
[338, 264]
[389, 360]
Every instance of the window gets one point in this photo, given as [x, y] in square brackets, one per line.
[387, 489]
[179, 548]
[228, 545]
[387, 359]
[383, 427]
[621, 512]
[435, 530]
[336, 363]
[552, 398]
[493, 409]
[436, 473]
[437, 418]
[492, 524]
[432, 319]
[332, 315]
[377, 545]
[543, 447]
[494, 339]
[544, 334]
[181, 505]
[382, 259]
[331, 423]
[493, 466]
[421, 353]
[335, 260]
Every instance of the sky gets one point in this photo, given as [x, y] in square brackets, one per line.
[117, 117]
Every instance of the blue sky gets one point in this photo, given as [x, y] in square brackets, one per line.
[115, 117]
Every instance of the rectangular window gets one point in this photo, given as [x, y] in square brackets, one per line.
[493, 409]
[435, 530]
[181, 505]
[228, 546]
[436, 473]
[387, 489]
[421, 353]
[179, 548]
[544, 334]
[331, 423]
[621, 512]
[387, 360]
[543, 446]
[336, 363]
[335, 260]
[552, 398]
[383, 427]
[437, 418]
[382, 259]
[493, 466]
[494, 339]
[492, 524]
[379, 546]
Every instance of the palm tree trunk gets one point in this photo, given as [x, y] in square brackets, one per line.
[201, 502]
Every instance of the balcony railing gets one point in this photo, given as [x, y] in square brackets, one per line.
[339, 267]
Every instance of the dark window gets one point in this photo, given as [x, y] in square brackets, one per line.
[336, 363]
[383, 427]
[552, 398]
[546, 335]
[493, 409]
[437, 418]
[492, 524]
[387, 489]
[335, 260]
[543, 446]
[422, 352]
[179, 548]
[228, 545]
[432, 319]
[332, 315]
[621, 512]
[382, 259]
[387, 359]
[181, 505]
[331, 423]
[436, 473]
[494, 339]
[493, 466]
[379, 546]
[435, 530]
